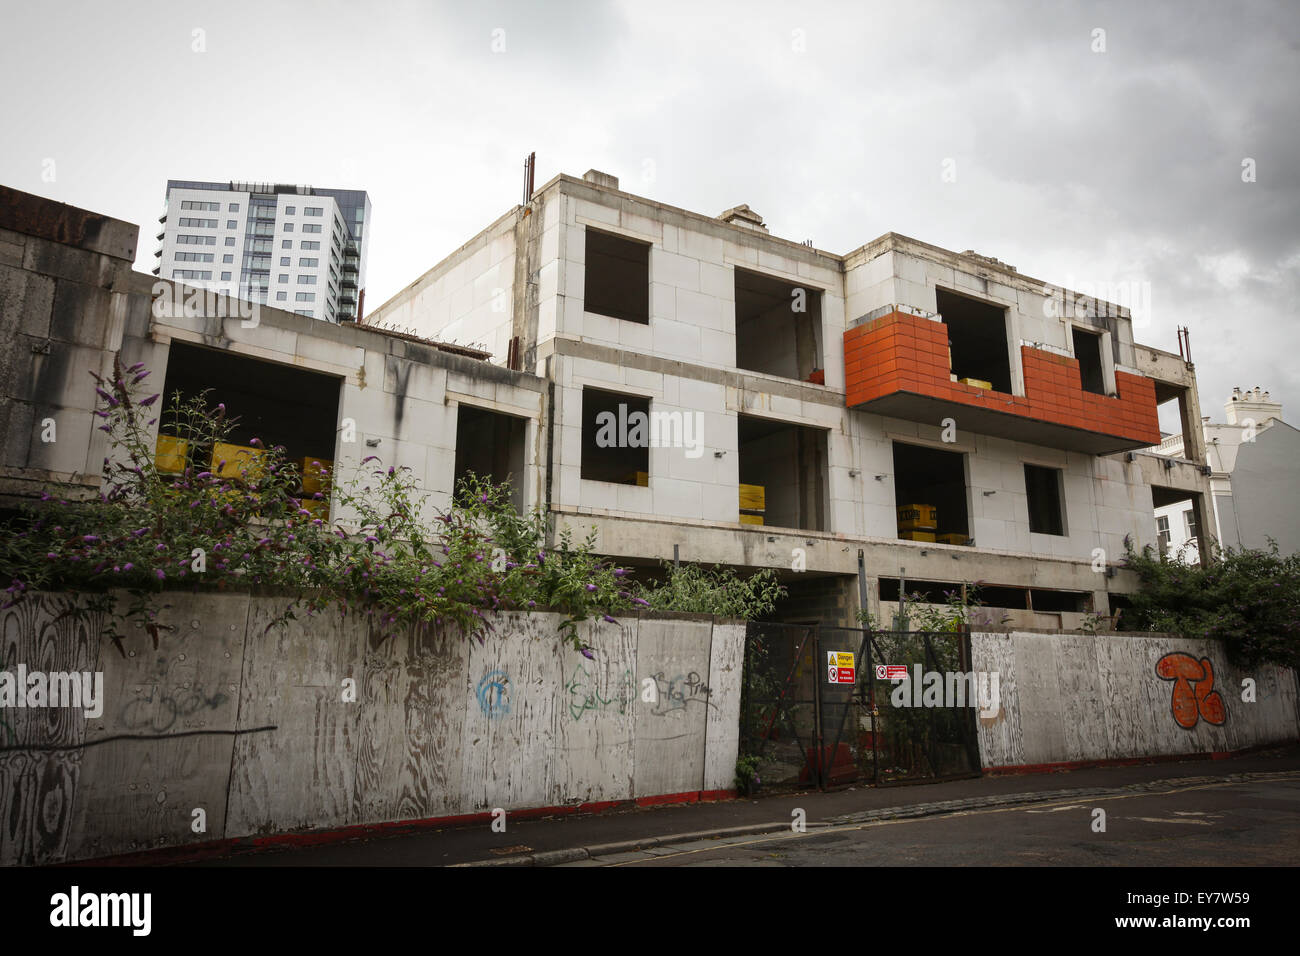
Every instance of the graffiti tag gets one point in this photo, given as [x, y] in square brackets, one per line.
[587, 691]
[493, 694]
[1194, 695]
[140, 712]
[673, 695]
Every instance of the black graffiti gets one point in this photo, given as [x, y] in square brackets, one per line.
[675, 693]
[141, 712]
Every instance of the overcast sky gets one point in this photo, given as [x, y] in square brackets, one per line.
[836, 122]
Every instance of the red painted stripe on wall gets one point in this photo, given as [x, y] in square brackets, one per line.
[195, 852]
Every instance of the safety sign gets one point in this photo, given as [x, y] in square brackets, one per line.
[840, 668]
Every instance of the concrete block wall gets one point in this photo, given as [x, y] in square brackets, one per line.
[692, 280]
[402, 395]
[681, 484]
[466, 299]
[1067, 698]
[1104, 499]
[65, 275]
[439, 725]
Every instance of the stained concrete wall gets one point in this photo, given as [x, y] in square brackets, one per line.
[251, 724]
[65, 275]
[1066, 698]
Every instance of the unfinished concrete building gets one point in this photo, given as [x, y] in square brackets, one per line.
[937, 412]
[70, 301]
[691, 386]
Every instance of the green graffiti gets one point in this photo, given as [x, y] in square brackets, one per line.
[585, 692]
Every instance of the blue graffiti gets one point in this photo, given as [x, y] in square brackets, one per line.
[493, 695]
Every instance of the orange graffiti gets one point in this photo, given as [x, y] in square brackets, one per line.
[1194, 695]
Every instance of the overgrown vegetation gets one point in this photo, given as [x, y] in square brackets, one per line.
[223, 525]
[956, 611]
[1247, 598]
[691, 588]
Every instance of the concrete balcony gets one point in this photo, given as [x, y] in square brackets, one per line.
[898, 365]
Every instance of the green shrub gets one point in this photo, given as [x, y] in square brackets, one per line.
[1247, 598]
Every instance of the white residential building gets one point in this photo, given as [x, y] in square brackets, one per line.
[1255, 469]
[297, 248]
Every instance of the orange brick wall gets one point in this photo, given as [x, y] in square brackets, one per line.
[906, 353]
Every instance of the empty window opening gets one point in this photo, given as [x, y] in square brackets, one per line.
[1180, 516]
[617, 277]
[778, 327]
[491, 445]
[1174, 408]
[276, 404]
[1087, 349]
[615, 437]
[1054, 602]
[1043, 488]
[930, 492]
[1121, 607]
[782, 474]
[936, 592]
[993, 596]
[977, 339]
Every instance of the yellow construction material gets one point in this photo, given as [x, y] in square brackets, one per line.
[751, 519]
[315, 474]
[237, 458]
[918, 518]
[977, 383]
[753, 498]
[916, 535]
[319, 507]
[169, 454]
[950, 538]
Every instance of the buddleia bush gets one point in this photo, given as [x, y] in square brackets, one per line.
[386, 554]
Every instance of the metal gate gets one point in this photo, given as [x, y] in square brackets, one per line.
[924, 727]
[803, 724]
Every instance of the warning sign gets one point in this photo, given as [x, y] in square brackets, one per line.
[840, 668]
[891, 671]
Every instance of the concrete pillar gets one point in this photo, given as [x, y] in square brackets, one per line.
[1189, 413]
[1205, 528]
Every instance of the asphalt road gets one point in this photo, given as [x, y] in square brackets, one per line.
[1216, 824]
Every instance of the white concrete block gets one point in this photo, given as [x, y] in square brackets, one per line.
[676, 339]
[705, 311]
[718, 348]
[678, 271]
[679, 499]
[718, 281]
